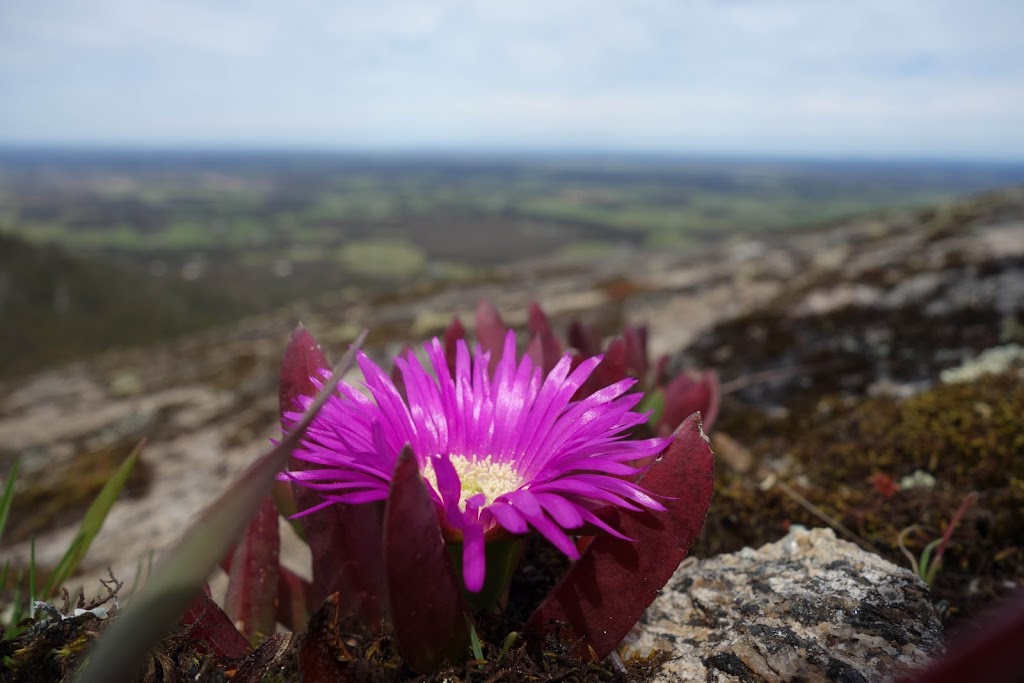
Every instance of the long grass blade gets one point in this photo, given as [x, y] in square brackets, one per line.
[92, 522]
[32, 579]
[184, 567]
[17, 607]
[7, 497]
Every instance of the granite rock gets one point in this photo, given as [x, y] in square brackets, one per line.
[809, 607]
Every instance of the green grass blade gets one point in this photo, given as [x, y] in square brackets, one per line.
[137, 581]
[32, 578]
[184, 567]
[929, 565]
[474, 642]
[7, 497]
[17, 608]
[510, 640]
[92, 522]
[3, 586]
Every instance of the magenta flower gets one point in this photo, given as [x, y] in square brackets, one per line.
[501, 454]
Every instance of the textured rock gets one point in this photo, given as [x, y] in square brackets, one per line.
[809, 607]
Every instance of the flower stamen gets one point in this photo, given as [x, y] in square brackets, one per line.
[478, 475]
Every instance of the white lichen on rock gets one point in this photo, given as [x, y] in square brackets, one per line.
[989, 362]
[808, 607]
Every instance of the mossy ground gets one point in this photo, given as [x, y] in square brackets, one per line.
[843, 457]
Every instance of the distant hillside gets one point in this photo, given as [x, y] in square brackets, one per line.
[55, 306]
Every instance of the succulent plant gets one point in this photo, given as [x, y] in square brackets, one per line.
[414, 500]
[671, 398]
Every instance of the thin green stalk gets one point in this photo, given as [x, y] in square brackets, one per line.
[17, 611]
[92, 522]
[32, 579]
[474, 642]
[7, 497]
[510, 640]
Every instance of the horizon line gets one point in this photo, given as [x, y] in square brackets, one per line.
[455, 152]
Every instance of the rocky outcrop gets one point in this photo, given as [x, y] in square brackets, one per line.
[809, 608]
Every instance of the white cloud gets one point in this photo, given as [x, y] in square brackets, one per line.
[924, 76]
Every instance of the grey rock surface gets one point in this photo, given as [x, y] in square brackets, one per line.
[809, 607]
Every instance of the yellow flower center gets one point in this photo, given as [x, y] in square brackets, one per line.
[482, 475]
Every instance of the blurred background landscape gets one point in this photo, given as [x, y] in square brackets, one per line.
[106, 249]
[168, 167]
[823, 202]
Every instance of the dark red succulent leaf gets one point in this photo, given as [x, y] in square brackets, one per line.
[635, 351]
[294, 599]
[426, 605]
[608, 514]
[614, 366]
[585, 534]
[294, 602]
[686, 395]
[606, 591]
[584, 339]
[989, 653]
[660, 377]
[643, 333]
[323, 656]
[490, 331]
[545, 349]
[205, 623]
[303, 359]
[396, 373]
[251, 599]
[344, 540]
[452, 335]
[346, 546]
[610, 370]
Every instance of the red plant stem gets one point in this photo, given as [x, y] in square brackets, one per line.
[968, 501]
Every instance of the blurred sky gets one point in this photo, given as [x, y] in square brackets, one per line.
[919, 78]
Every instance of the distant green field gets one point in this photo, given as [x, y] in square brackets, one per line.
[173, 203]
[106, 249]
[265, 229]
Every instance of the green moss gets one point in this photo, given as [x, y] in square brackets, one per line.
[967, 436]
